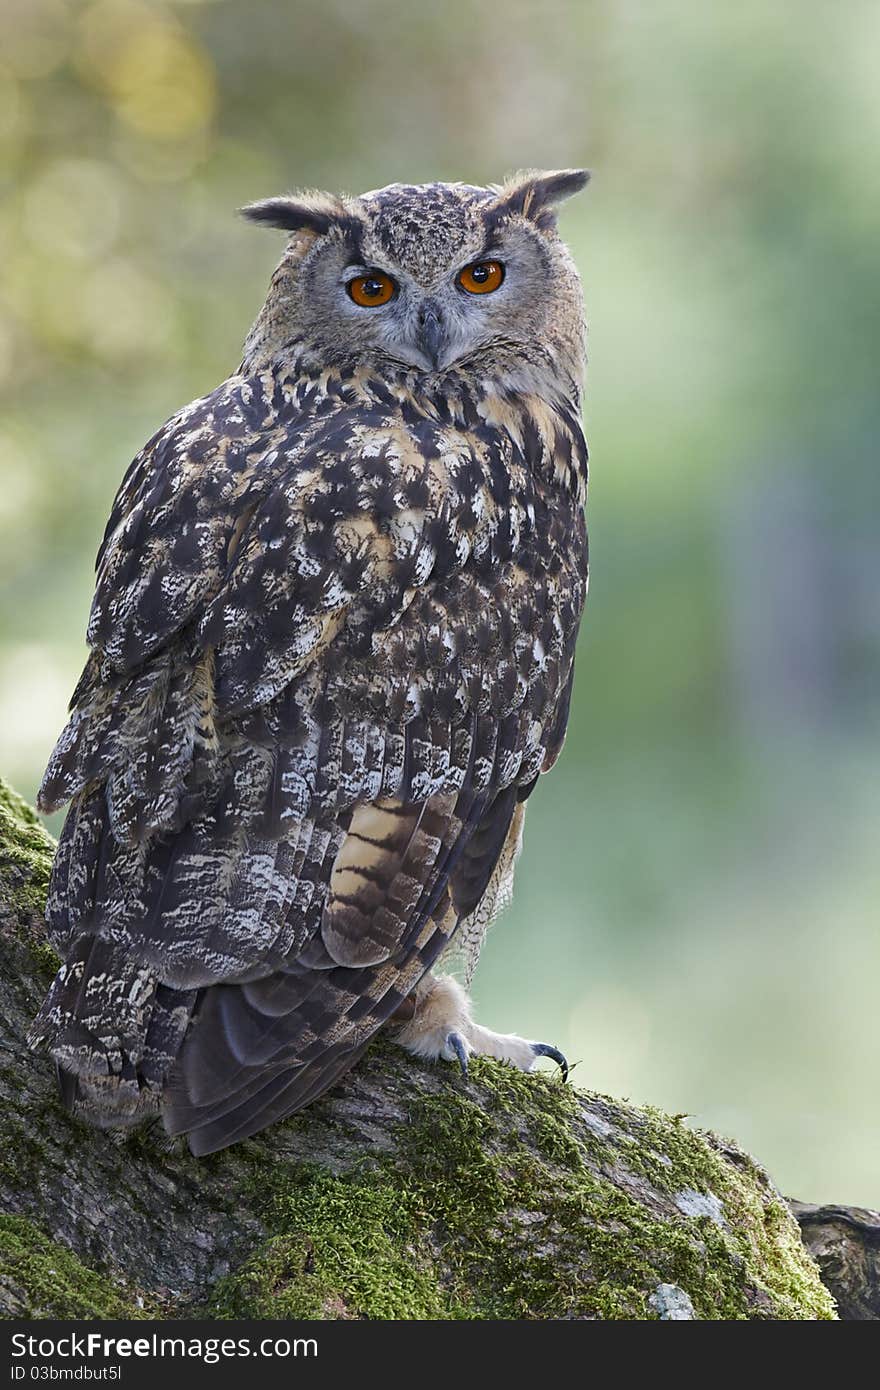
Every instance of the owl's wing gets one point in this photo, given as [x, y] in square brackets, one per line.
[242, 541]
[177, 516]
[146, 698]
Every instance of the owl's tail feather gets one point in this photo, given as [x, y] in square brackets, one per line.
[260, 1096]
[114, 1032]
[259, 1052]
[278, 1096]
[346, 1008]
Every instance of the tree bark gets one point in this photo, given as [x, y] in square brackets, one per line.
[408, 1192]
[845, 1243]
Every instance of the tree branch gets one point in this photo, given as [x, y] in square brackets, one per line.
[406, 1193]
[845, 1242]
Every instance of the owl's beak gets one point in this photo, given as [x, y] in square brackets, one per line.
[432, 332]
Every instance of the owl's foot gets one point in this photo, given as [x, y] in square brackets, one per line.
[441, 1025]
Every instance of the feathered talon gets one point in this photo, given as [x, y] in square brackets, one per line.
[442, 1026]
[460, 1048]
[545, 1050]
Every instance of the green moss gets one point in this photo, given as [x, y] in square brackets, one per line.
[25, 863]
[46, 1280]
[26, 852]
[759, 1234]
[350, 1249]
[26, 847]
[493, 1206]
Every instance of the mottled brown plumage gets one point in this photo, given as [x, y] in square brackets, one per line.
[332, 647]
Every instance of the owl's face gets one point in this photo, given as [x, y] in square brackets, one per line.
[430, 278]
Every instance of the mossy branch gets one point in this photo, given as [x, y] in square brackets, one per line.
[406, 1193]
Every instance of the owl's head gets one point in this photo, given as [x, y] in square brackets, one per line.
[428, 278]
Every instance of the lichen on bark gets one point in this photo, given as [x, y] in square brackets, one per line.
[408, 1192]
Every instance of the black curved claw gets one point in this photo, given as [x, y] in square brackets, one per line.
[545, 1050]
[459, 1047]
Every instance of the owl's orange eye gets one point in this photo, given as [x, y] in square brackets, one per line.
[482, 277]
[369, 291]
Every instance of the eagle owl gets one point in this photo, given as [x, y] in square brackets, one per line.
[331, 652]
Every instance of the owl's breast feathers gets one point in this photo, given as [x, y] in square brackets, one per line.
[332, 636]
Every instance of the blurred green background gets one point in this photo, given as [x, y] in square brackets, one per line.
[696, 914]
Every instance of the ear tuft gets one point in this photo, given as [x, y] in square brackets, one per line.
[534, 194]
[299, 212]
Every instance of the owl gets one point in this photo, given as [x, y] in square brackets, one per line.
[331, 653]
